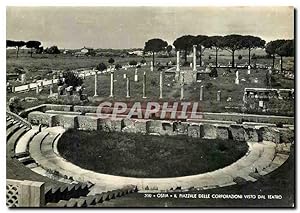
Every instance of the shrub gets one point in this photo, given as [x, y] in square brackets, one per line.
[101, 67]
[143, 61]
[186, 64]
[118, 66]
[71, 79]
[214, 72]
[111, 61]
[132, 63]
[240, 57]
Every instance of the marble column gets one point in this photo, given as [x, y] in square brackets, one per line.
[194, 58]
[128, 88]
[144, 85]
[201, 93]
[111, 84]
[151, 68]
[219, 96]
[178, 61]
[136, 77]
[160, 84]
[96, 83]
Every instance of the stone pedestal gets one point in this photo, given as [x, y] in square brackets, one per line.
[23, 78]
[37, 89]
[51, 90]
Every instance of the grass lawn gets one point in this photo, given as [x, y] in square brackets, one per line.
[165, 156]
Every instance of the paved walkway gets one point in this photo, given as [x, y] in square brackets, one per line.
[261, 158]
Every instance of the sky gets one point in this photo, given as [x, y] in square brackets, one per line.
[131, 27]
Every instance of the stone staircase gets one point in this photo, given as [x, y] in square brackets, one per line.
[92, 200]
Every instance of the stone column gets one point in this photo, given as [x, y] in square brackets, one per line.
[151, 68]
[237, 80]
[160, 84]
[249, 70]
[219, 96]
[124, 76]
[128, 88]
[13, 89]
[201, 93]
[136, 77]
[96, 84]
[194, 58]
[182, 85]
[111, 84]
[178, 61]
[144, 85]
[182, 91]
[37, 89]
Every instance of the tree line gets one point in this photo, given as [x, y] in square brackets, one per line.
[32, 45]
[230, 43]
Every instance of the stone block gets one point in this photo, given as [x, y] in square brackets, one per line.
[134, 126]
[238, 132]
[88, 122]
[194, 131]
[111, 124]
[251, 134]
[270, 134]
[85, 109]
[58, 107]
[208, 131]
[180, 128]
[222, 132]
[286, 135]
[37, 118]
[159, 127]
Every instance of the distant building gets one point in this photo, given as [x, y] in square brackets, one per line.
[136, 52]
[84, 52]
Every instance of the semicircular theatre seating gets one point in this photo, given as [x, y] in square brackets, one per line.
[261, 159]
[21, 166]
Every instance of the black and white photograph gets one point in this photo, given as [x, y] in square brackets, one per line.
[150, 106]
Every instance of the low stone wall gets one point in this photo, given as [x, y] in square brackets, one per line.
[85, 109]
[239, 118]
[236, 132]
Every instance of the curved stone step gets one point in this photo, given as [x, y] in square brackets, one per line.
[13, 139]
[22, 145]
[10, 131]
